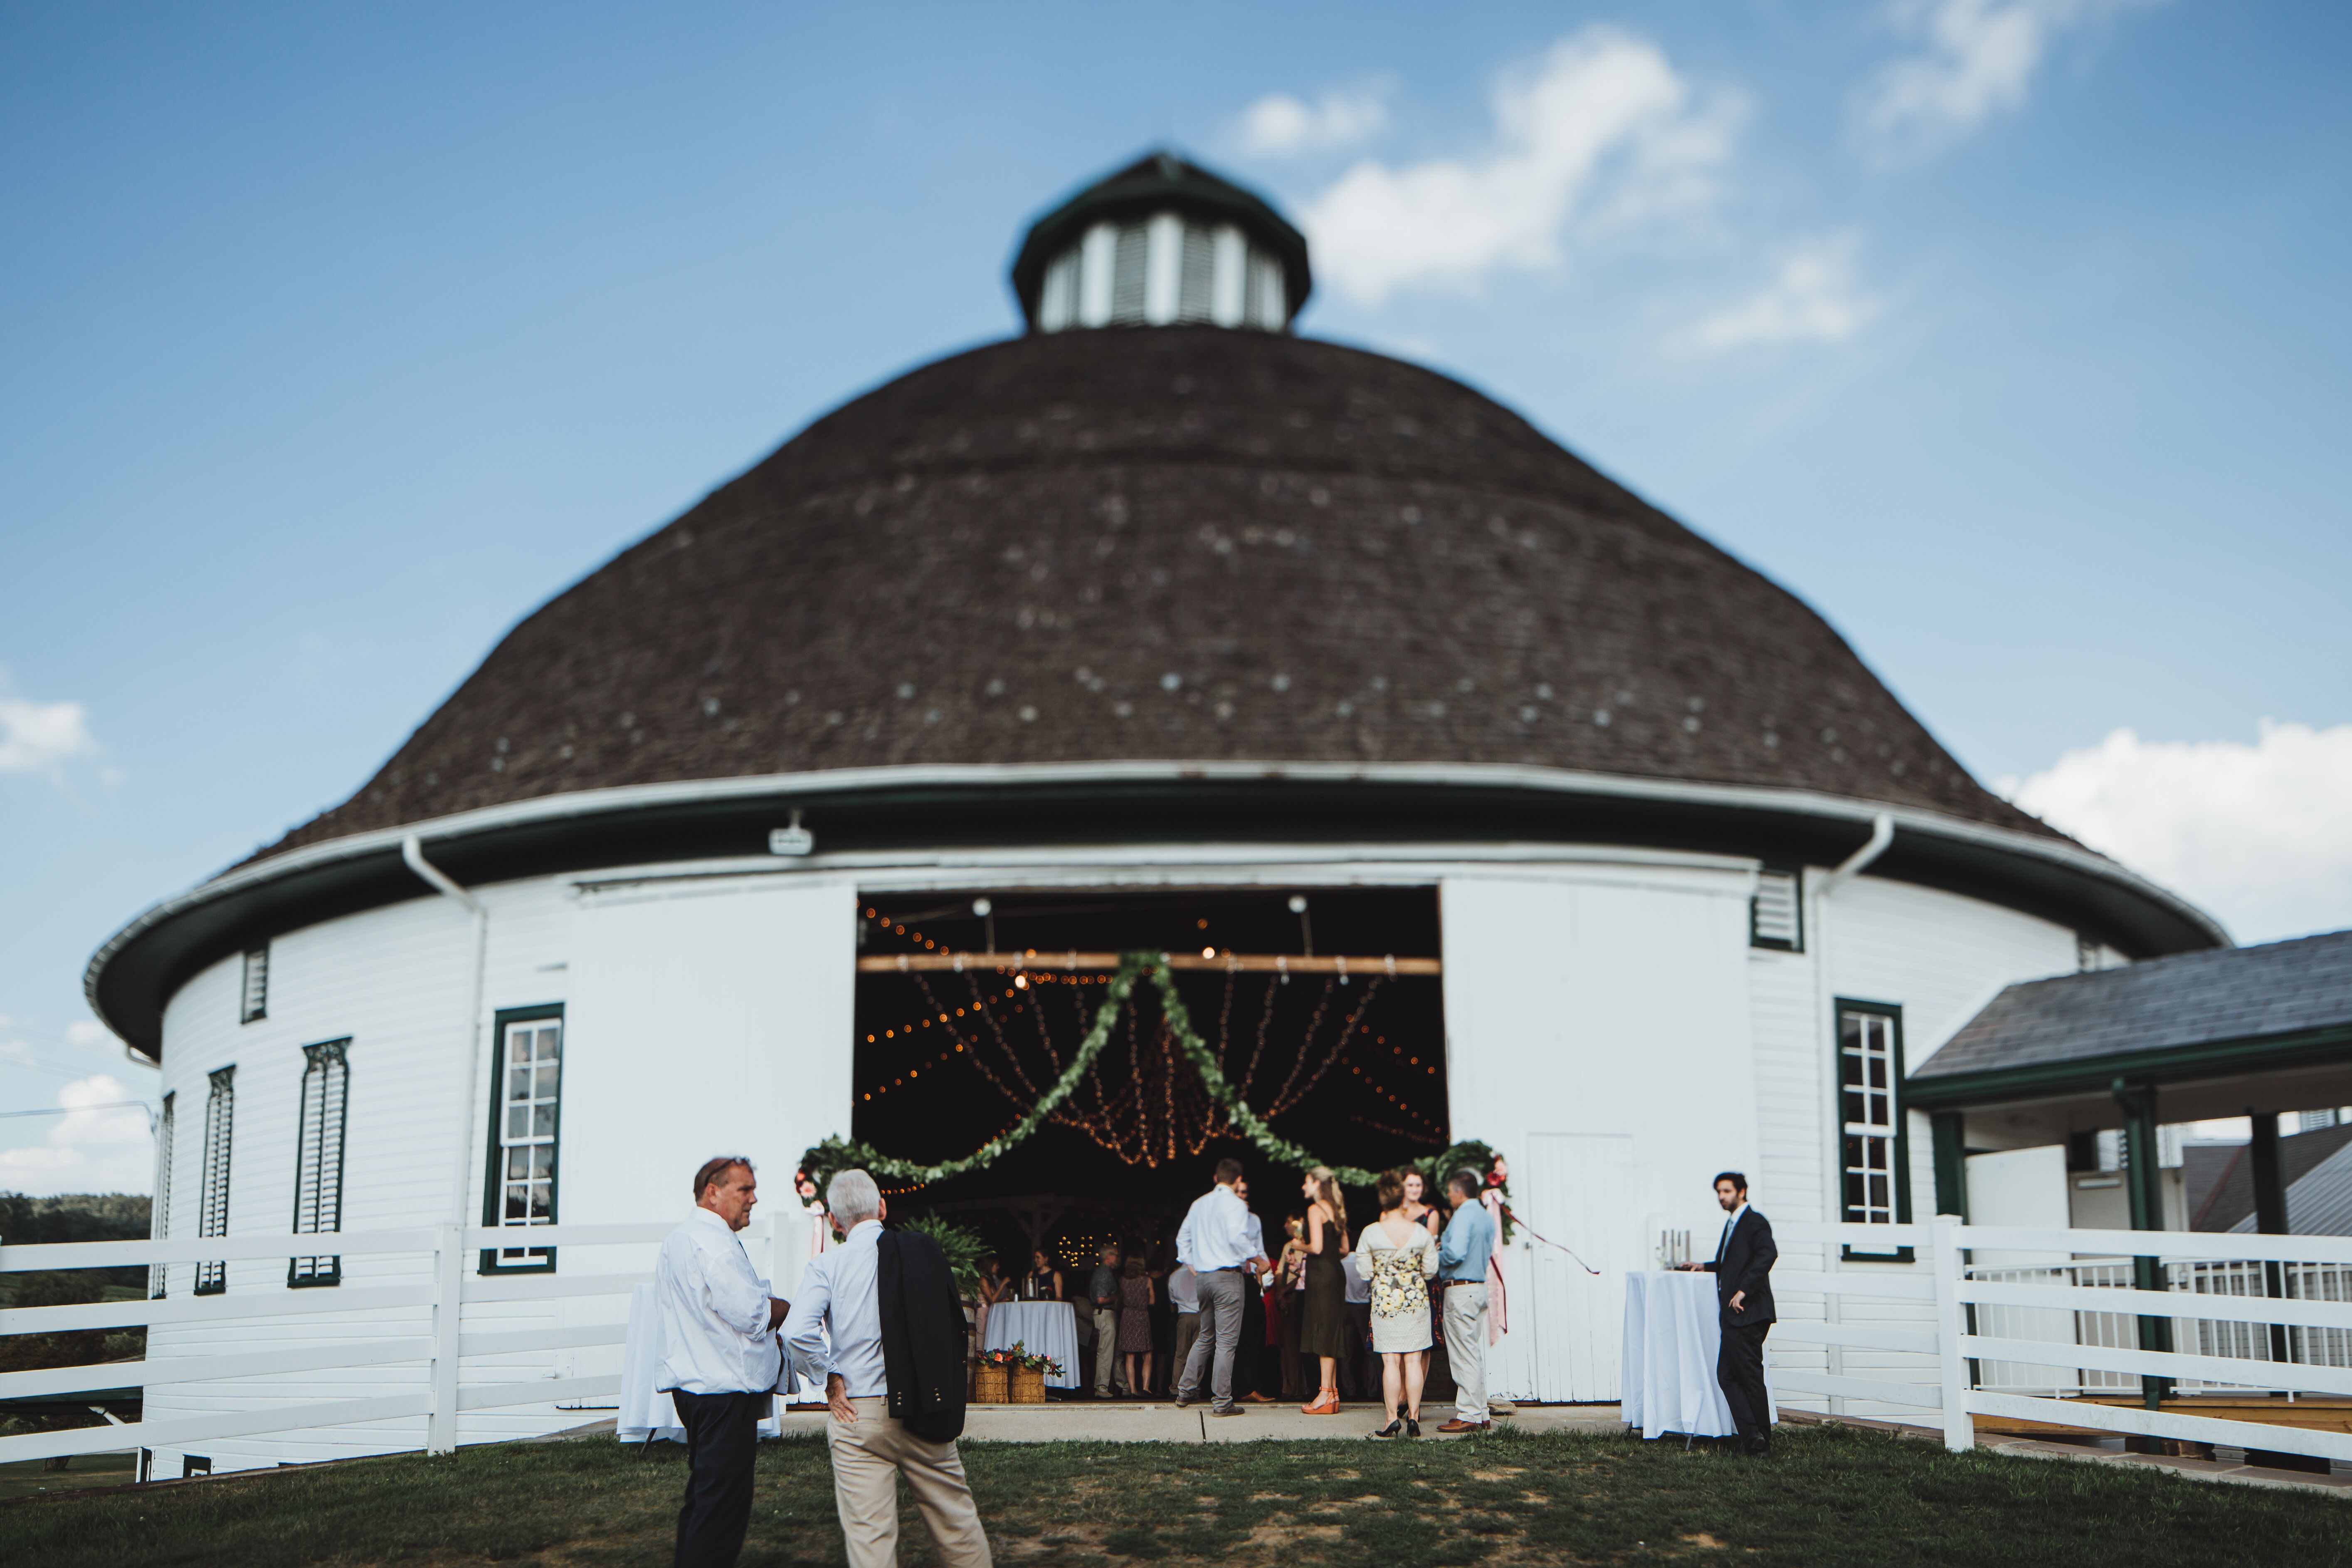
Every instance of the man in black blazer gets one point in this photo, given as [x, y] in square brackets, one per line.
[1743, 1292]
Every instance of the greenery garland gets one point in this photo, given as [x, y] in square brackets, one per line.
[819, 1164]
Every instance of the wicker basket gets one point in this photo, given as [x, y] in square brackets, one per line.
[988, 1386]
[1028, 1385]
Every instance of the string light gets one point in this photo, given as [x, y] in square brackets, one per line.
[1121, 1116]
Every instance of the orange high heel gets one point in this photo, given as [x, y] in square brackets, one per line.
[1326, 1403]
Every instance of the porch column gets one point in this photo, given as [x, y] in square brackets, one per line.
[2270, 1209]
[2137, 1101]
[1947, 1137]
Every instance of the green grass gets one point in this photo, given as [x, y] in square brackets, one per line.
[1830, 1496]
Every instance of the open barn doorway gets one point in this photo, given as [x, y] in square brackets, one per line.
[1341, 1052]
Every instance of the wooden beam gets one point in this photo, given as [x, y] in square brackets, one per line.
[1075, 963]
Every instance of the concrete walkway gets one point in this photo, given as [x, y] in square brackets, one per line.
[1111, 1420]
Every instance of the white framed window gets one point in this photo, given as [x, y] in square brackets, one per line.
[526, 1097]
[1775, 915]
[159, 1274]
[319, 1158]
[1877, 1188]
[211, 1215]
[253, 997]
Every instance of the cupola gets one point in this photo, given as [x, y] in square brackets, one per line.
[1162, 243]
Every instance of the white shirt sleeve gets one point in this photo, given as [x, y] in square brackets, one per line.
[804, 1325]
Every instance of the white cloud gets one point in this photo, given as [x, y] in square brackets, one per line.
[1813, 299]
[87, 1149]
[1281, 126]
[41, 737]
[1975, 58]
[1601, 131]
[2261, 835]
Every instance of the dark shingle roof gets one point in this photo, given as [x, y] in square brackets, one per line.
[2228, 1196]
[1169, 543]
[2191, 999]
[2318, 1202]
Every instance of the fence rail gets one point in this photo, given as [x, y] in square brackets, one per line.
[2075, 1317]
[441, 1261]
[2075, 1323]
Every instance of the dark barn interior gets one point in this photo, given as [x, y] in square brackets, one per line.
[1351, 1068]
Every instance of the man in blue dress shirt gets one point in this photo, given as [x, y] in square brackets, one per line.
[1215, 1241]
[1463, 1253]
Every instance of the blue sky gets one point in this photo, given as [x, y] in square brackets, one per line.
[2011, 333]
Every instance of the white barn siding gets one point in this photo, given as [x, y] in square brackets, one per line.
[1940, 957]
[1597, 1027]
[1793, 1176]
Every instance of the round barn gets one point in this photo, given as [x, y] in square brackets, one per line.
[1475, 796]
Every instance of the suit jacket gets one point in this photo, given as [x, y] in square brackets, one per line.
[922, 1335]
[1746, 1264]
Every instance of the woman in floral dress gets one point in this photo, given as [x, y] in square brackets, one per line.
[1398, 1258]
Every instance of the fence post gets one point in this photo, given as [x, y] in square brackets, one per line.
[1944, 1267]
[448, 1289]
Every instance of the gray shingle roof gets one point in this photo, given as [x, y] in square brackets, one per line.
[2227, 1194]
[2192, 999]
[2320, 1203]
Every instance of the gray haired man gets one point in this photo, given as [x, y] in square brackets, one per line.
[854, 1297]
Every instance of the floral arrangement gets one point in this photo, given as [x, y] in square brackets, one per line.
[1018, 1356]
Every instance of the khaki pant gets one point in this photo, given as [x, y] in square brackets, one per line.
[868, 1460]
[1465, 1349]
[1107, 1371]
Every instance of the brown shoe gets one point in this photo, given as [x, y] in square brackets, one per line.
[1458, 1425]
[1255, 1397]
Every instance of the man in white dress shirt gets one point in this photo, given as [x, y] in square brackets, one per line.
[870, 1448]
[719, 1358]
[1215, 1241]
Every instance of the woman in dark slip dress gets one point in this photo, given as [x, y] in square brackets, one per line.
[1323, 1332]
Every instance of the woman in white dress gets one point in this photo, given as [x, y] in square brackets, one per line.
[1398, 1258]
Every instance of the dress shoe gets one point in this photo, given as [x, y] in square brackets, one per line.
[1229, 1410]
[1757, 1447]
[1412, 1428]
[1394, 1429]
[1458, 1425]
[1255, 1397]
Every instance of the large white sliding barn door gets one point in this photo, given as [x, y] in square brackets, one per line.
[1597, 1031]
[705, 1019]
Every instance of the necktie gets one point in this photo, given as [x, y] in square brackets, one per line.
[1725, 1245]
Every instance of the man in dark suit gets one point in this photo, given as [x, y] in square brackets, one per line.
[1743, 1292]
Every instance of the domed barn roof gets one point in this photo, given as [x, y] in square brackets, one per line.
[1180, 544]
[1161, 583]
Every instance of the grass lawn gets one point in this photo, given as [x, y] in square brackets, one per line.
[1829, 1497]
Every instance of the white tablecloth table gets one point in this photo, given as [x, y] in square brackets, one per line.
[1673, 1331]
[646, 1412]
[1041, 1328]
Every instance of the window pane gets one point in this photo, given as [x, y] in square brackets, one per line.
[544, 1123]
[518, 1163]
[542, 1161]
[517, 1205]
[540, 1210]
[517, 1122]
[518, 1084]
[547, 1074]
[547, 1045]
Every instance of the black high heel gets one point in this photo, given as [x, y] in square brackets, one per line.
[1394, 1428]
[1412, 1428]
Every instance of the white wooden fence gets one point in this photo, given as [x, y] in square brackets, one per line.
[2079, 1320]
[443, 1278]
